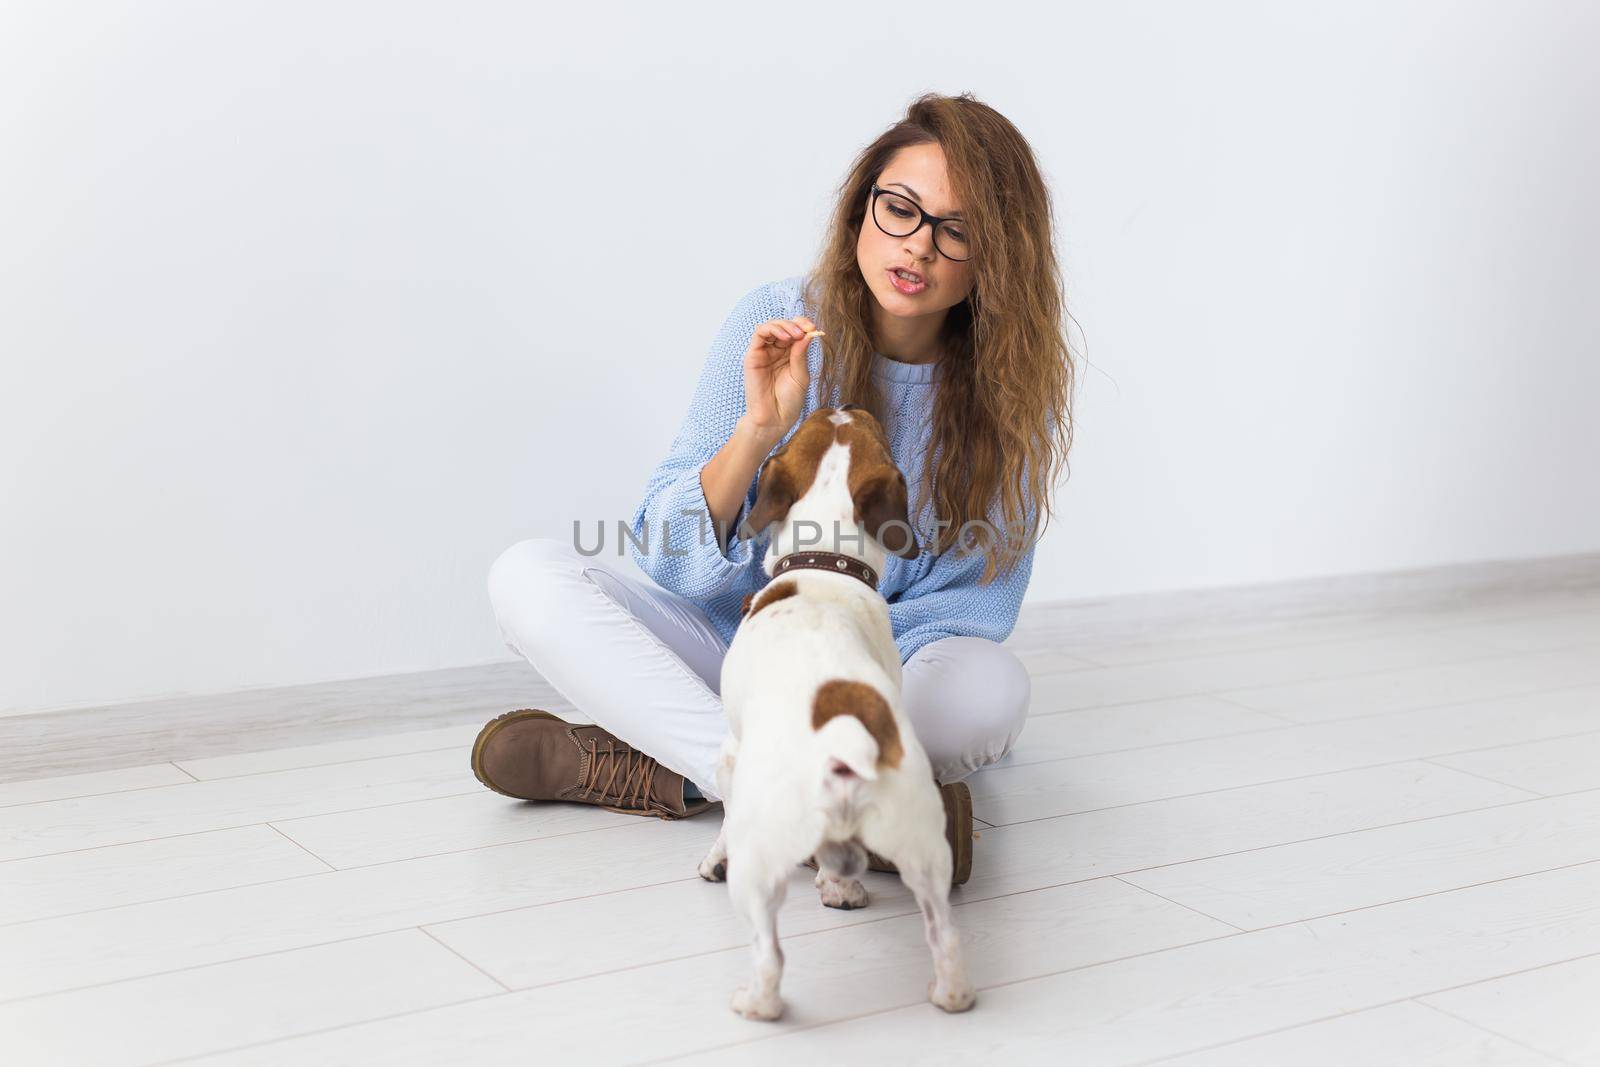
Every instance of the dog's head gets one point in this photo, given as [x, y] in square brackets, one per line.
[836, 467]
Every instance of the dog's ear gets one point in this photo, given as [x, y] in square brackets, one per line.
[881, 498]
[775, 495]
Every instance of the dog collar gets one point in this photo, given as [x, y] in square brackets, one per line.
[836, 562]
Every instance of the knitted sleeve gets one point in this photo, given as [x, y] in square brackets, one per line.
[680, 549]
[949, 602]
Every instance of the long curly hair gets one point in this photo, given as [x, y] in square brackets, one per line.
[1003, 408]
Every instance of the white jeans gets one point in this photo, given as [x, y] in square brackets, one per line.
[646, 664]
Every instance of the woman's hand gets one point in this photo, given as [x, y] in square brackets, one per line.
[776, 375]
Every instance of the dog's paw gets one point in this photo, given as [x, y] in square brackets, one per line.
[753, 1006]
[841, 893]
[952, 996]
[714, 870]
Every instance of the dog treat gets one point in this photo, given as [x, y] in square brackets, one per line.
[815, 333]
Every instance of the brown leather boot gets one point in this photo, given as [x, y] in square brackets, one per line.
[957, 830]
[530, 754]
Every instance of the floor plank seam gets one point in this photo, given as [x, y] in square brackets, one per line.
[215, 829]
[978, 801]
[1130, 748]
[391, 931]
[1280, 716]
[466, 747]
[1037, 616]
[1273, 781]
[161, 900]
[1267, 1033]
[1508, 974]
[1251, 649]
[107, 793]
[1513, 744]
[1372, 715]
[425, 932]
[1291, 723]
[1434, 761]
[279, 831]
[296, 877]
[1425, 896]
[324, 1030]
[1346, 833]
[492, 844]
[1482, 1029]
[1471, 656]
[1178, 904]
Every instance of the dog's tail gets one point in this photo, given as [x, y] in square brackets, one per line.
[855, 730]
[848, 748]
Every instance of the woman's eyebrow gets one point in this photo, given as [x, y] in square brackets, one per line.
[918, 199]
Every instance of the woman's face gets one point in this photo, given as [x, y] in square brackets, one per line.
[918, 173]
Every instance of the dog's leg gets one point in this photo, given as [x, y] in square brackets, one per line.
[757, 888]
[925, 869]
[839, 867]
[714, 868]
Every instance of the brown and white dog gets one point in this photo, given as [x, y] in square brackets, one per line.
[820, 760]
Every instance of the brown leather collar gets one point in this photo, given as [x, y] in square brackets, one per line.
[836, 562]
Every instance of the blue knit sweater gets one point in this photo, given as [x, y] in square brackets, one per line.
[929, 597]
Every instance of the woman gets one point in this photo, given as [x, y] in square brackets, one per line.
[966, 367]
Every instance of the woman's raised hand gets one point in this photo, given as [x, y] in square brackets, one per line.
[776, 374]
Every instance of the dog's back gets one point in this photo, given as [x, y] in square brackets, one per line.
[811, 686]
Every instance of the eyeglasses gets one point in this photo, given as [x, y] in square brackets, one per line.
[899, 216]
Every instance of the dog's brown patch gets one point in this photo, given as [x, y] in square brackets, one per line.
[770, 595]
[787, 473]
[876, 484]
[839, 697]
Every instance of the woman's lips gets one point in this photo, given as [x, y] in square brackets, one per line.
[908, 288]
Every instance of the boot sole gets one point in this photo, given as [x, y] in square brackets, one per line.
[489, 731]
[959, 798]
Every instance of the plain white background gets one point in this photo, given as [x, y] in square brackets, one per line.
[309, 310]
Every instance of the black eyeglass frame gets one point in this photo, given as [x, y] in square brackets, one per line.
[933, 220]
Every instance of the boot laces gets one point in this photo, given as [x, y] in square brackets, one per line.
[636, 770]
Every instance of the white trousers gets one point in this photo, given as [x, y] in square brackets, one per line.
[646, 664]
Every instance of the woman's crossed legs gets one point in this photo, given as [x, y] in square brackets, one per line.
[645, 664]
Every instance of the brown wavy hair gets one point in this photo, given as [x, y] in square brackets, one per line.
[1003, 408]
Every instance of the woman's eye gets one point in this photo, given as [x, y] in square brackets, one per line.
[899, 212]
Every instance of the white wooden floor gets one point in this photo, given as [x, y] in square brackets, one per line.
[1340, 841]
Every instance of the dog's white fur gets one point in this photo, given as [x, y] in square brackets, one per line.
[791, 791]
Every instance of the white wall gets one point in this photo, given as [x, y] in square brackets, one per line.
[306, 310]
